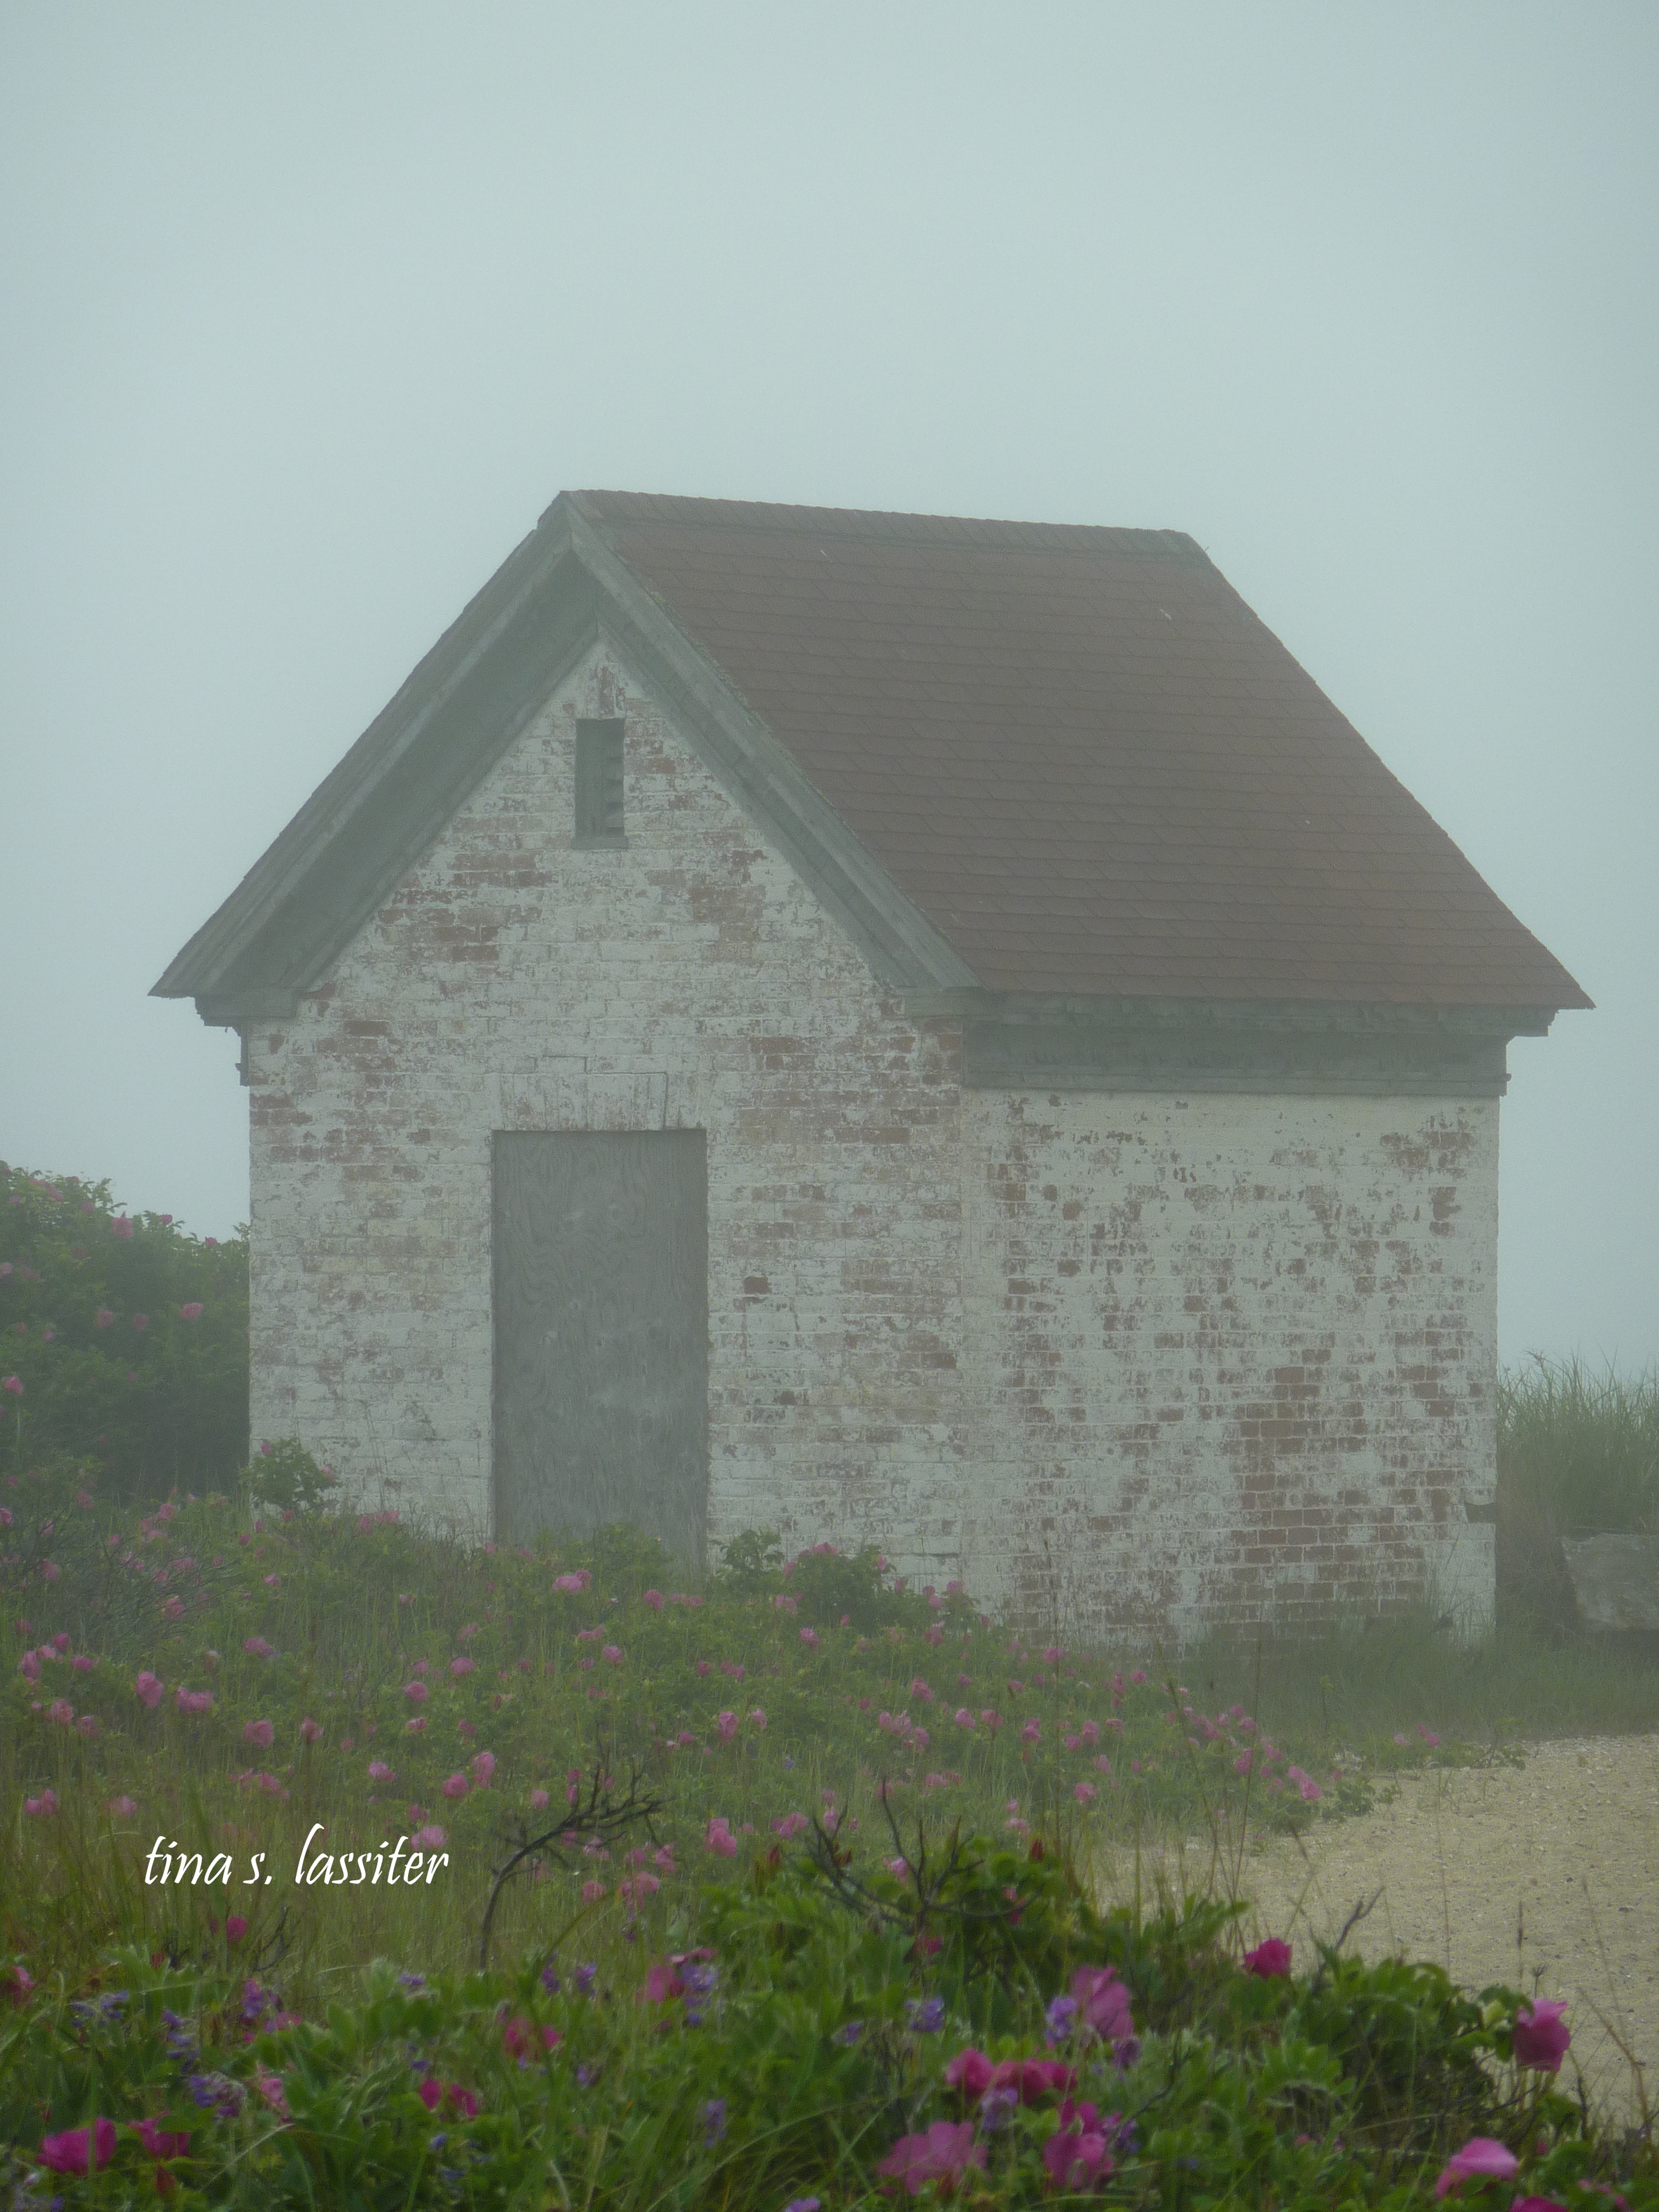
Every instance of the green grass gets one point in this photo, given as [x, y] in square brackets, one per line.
[1354, 1686]
[350, 1611]
[1383, 2069]
[1577, 1455]
[330, 1621]
[1577, 1450]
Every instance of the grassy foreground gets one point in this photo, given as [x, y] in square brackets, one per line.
[802, 1860]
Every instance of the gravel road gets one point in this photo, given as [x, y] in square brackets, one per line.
[1543, 1876]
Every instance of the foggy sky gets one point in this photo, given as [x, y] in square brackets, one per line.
[307, 311]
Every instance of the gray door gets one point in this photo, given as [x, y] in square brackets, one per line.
[601, 1266]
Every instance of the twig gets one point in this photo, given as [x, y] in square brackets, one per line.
[1362, 1910]
[601, 1819]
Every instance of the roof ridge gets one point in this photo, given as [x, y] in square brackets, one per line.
[603, 508]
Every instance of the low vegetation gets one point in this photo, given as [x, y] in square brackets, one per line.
[1577, 1455]
[775, 1889]
[736, 1895]
[123, 1340]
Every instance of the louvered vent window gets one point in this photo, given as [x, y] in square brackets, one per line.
[599, 783]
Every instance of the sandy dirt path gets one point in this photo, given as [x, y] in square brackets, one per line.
[1545, 1875]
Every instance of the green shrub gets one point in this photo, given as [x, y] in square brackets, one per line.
[774, 2041]
[734, 1970]
[123, 1341]
[283, 1478]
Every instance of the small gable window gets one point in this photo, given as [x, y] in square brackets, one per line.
[599, 783]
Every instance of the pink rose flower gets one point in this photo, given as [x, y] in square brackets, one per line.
[194, 1701]
[593, 1893]
[159, 2142]
[1078, 2159]
[484, 1769]
[1541, 2036]
[1033, 2078]
[662, 1984]
[1480, 2160]
[259, 1733]
[43, 1807]
[310, 1731]
[80, 2150]
[456, 1786]
[463, 1666]
[943, 2154]
[1269, 1960]
[792, 1823]
[61, 1711]
[380, 1771]
[718, 1837]
[148, 1689]
[429, 1838]
[417, 1693]
[970, 2071]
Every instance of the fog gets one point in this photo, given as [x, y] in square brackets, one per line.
[308, 311]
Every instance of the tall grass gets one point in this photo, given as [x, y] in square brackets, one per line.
[1578, 1449]
[1577, 1455]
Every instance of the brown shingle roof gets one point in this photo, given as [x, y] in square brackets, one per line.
[1082, 757]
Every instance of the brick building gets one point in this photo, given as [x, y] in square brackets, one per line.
[895, 1029]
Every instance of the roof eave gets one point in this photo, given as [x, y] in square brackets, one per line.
[372, 817]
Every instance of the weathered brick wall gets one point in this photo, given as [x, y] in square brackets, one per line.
[689, 981]
[1142, 1360]
[1235, 1354]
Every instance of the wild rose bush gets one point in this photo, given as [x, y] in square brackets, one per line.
[757, 1962]
[773, 2045]
[123, 1340]
[191, 1669]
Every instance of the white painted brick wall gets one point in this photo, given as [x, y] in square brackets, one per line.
[1138, 1361]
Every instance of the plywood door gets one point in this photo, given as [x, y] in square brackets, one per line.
[601, 1283]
